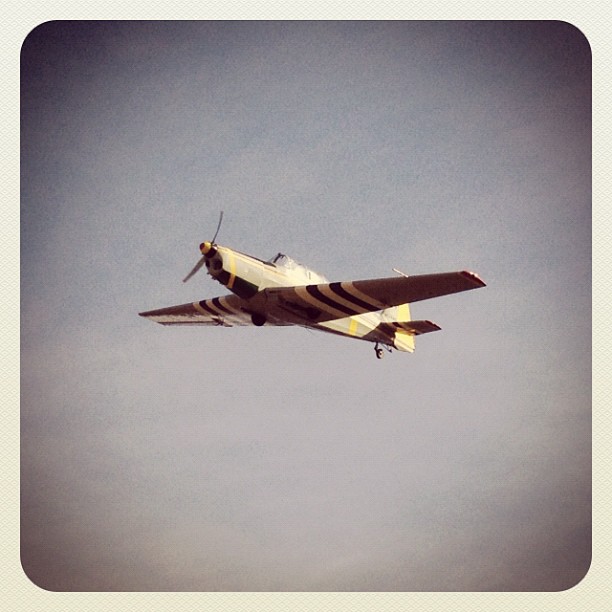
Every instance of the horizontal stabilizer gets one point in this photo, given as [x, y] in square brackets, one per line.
[416, 328]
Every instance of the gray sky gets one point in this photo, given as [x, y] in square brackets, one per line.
[276, 458]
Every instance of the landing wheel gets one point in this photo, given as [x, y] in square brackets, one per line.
[258, 319]
[379, 352]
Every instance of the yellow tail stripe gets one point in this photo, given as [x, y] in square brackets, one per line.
[403, 312]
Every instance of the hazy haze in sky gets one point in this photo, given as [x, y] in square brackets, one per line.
[264, 459]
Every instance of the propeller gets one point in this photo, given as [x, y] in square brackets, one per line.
[218, 228]
[205, 248]
[195, 268]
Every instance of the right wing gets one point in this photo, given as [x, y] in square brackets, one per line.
[325, 302]
[227, 310]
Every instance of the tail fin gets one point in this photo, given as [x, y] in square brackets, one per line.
[396, 314]
[405, 329]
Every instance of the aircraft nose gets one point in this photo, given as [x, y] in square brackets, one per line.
[206, 248]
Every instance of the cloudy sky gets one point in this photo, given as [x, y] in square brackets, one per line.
[277, 459]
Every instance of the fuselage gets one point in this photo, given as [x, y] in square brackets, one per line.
[253, 279]
[246, 275]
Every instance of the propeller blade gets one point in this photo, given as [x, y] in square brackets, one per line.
[203, 258]
[218, 227]
[195, 268]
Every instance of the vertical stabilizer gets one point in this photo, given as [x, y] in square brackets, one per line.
[403, 340]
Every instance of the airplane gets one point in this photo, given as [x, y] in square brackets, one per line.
[281, 292]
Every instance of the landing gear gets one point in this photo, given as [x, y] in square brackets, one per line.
[258, 319]
[378, 349]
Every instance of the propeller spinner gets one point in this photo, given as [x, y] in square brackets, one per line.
[207, 249]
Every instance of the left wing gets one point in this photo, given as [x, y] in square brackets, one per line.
[227, 310]
[325, 302]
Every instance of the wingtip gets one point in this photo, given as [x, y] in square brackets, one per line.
[474, 278]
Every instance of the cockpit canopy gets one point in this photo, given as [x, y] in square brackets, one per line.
[298, 270]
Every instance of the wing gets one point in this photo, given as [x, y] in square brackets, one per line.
[325, 302]
[228, 310]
